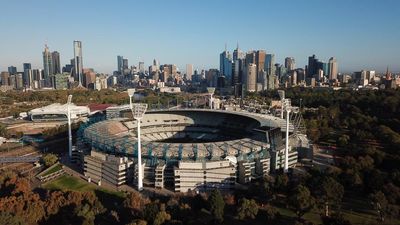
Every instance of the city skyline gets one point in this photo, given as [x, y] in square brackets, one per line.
[341, 30]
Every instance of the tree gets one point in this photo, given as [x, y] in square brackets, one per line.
[216, 205]
[301, 201]
[271, 212]
[161, 218]
[49, 159]
[380, 204]
[247, 209]
[332, 193]
[10, 219]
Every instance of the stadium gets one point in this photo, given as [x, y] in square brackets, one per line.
[185, 149]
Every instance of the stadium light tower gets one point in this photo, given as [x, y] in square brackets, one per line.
[287, 106]
[211, 91]
[138, 110]
[69, 126]
[131, 92]
[282, 97]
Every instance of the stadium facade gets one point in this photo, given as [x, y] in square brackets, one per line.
[186, 149]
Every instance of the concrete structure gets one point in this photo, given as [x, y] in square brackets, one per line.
[112, 169]
[194, 149]
[58, 112]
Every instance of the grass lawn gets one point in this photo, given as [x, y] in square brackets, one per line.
[53, 170]
[66, 182]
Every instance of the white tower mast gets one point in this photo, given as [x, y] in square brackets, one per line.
[69, 126]
[138, 111]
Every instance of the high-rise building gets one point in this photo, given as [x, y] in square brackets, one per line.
[141, 67]
[55, 56]
[89, 79]
[325, 68]
[290, 63]
[28, 78]
[12, 70]
[238, 54]
[19, 82]
[78, 61]
[251, 77]
[269, 68]
[260, 63]
[5, 78]
[27, 66]
[333, 69]
[312, 68]
[120, 61]
[125, 64]
[189, 71]
[47, 65]
[225, 65]
[61, 81]
[37, 74]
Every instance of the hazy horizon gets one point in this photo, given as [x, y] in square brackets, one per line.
[360, 34]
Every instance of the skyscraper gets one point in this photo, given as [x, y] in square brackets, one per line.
[12, 70]
[47, 65]
[78, 62]
[225, 65]
[55, 56]
[27, 66]
[189, 71]
[237, 53]
[251, 77]
[333, 69]
[125, 64]
[120, 61]
[141, 67]
[312, 68]
[269, 68]
[260, 63]
[290, 63]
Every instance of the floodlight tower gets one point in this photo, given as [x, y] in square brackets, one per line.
[211, 91]
[287, 106]
[69, 126]
[282, 97]
[131, 92]
[138, 111]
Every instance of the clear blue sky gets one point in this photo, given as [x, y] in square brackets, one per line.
[361, 34]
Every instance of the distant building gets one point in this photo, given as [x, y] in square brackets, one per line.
[270, 70]
[27, 66]
[89, 79]
[290, 63]
[19, 82]
[61, 81]
[120, 62]
[189, 71]
[141, 67]
[5, 78]
[251, 77]
[47, 65]
[333, 69]
[12, 70]
[225, 65]
[55, 56]
[78, 61]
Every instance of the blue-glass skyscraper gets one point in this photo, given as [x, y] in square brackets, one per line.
[225, 65]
